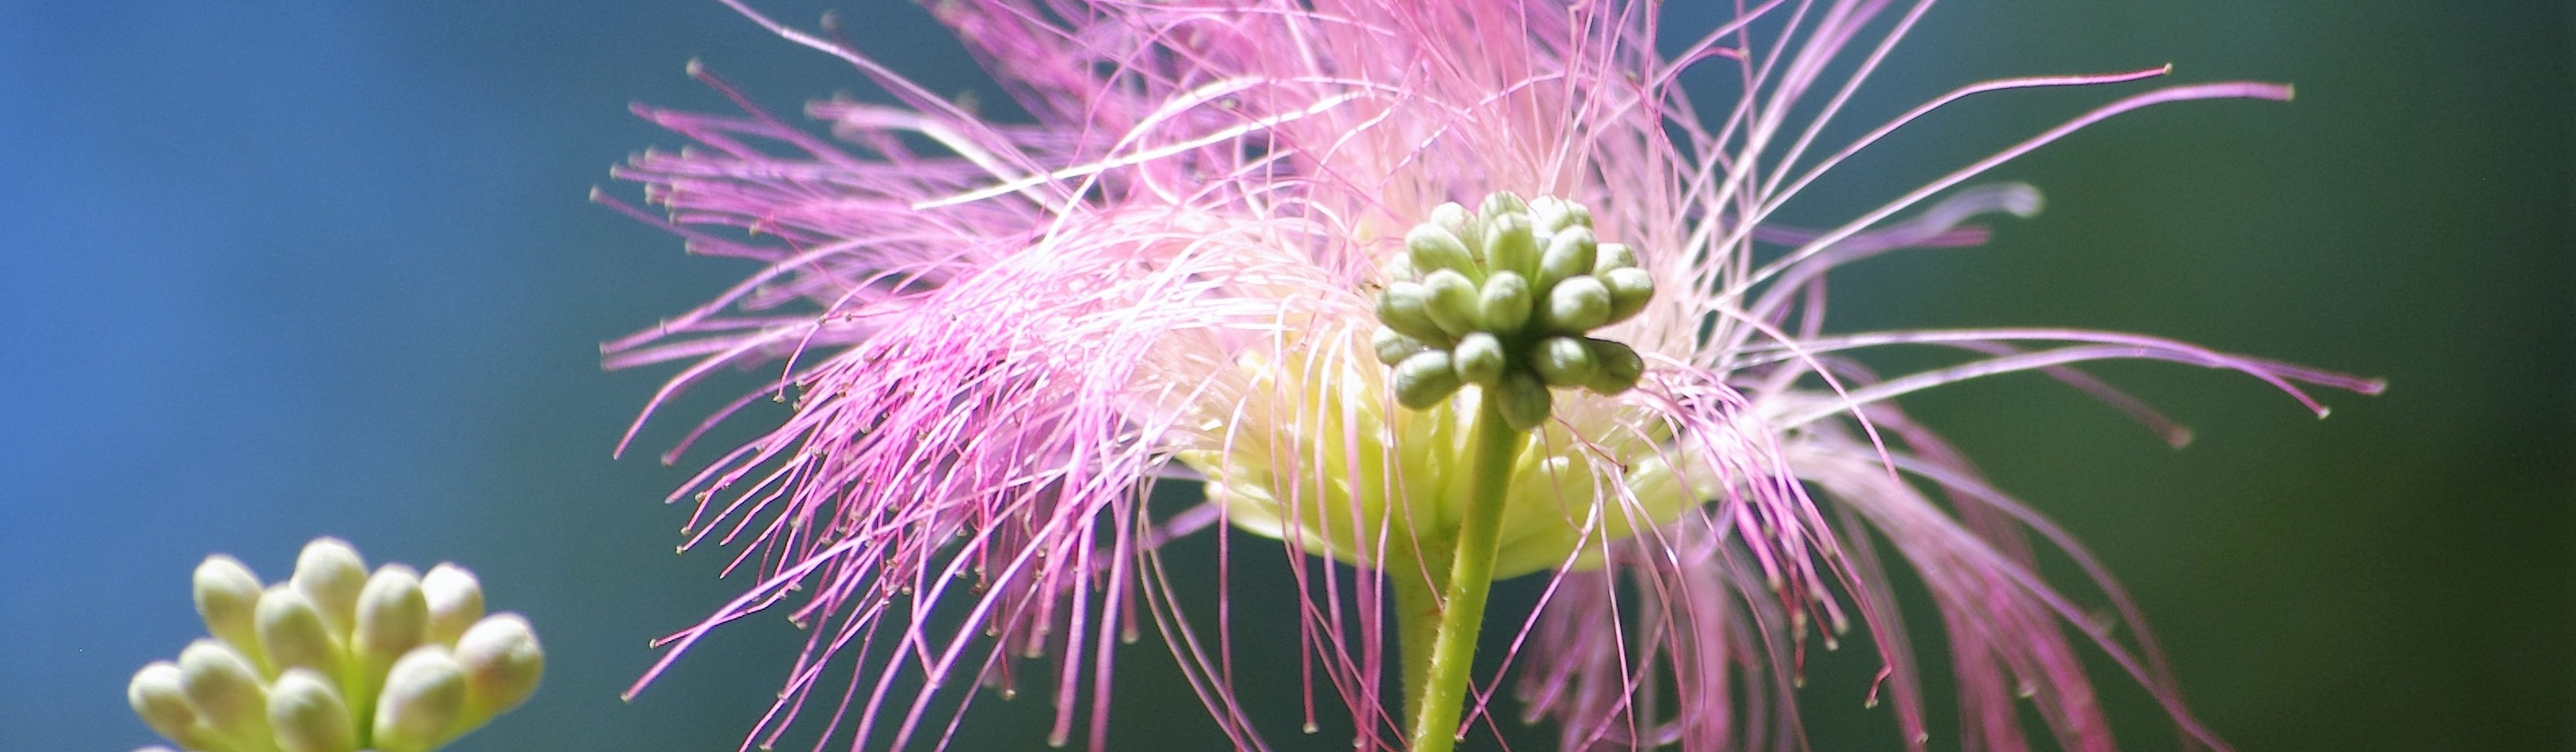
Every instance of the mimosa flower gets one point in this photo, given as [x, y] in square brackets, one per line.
[997, 338]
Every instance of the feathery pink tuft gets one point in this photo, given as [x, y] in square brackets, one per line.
[999, 336]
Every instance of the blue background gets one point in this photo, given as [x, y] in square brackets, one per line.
[270, 270]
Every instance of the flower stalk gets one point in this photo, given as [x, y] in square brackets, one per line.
[1451, 656]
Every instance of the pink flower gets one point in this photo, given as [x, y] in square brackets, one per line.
[998, 337]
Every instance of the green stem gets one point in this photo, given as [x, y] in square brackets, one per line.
[1439, 698]
[1416, 585]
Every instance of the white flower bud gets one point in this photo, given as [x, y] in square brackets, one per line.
[1500, 203]
[423, 698]
[1525, 401]
[1433, 249]
[1404, 307]
[1452, 304]
[1510, 245]
[1504, 303]
[1562, 361]
[227, 594]
[331, 574]
[1618, 369]
[1576, 306]
[307, 714]
[455, 602]
[1569, 254]
[1630, 288]
[160, 698]
[1425, 379]
[392, 615]
[1479, 359]
[503, 663]
[1392, 347]
[226, 693]
[293, 632]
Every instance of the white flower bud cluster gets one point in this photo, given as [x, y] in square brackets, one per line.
[1505, 298]
[337, 659]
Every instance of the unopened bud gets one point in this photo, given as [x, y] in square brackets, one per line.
[1392, 347]
[227, 594]
[160, 698]
[423, 698]
[1404, 308]
[294, 634]
[331, 574]
[1630, 289]
[1618, 367]
[1425, 379]
[307, 714]
[1569, 254]
[456, 598]
[1577, 305]
[1562, 361]
[1453, 302]
[1524, 401]
[503, 663]
[1500, 203]
[1433, 249]
[1553, 214]
[1479, 359]
[1510, 245]
[226, 692]
[1504, 303]
[1454, 218]
[1613, 256]
[392, 615]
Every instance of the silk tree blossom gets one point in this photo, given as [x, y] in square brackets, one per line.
[999, 336]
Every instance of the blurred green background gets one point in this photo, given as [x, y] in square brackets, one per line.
[276, 270]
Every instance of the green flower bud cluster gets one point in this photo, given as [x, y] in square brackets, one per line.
[338, 659]
[1505, 298]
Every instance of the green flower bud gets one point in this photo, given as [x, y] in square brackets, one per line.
[160, 698]
[1452, 303]
[456, 598]
[1630, 289]
[226, 593]
[307, 714]
[392, 616]
[1619, 370]
[1569, 254]
[294, 634]
[1504, 303]
[1525, 401]
[1479, 359]
[1454, 218]
[1554, 214]
[1425, 379]
[1576, 305]
[1404, 307]
[423, 698]
[1613, 256]
[1392, 347]
[1510, 245]
[1562, 361]
[502, 663]
[331, 574]
[1500, 203]
[1433, 249]
[225, 691]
